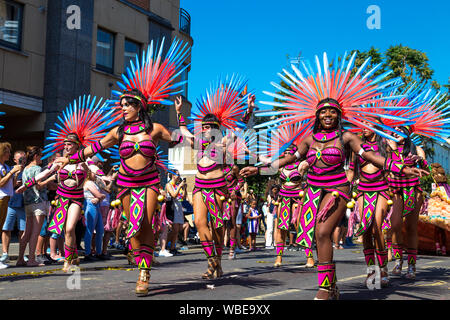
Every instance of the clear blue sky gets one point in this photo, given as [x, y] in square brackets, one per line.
[254, 37]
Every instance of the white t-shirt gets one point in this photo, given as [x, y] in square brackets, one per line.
[8, 188]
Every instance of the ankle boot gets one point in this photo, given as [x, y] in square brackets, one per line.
[143, 282]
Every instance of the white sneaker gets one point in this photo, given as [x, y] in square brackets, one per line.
[164, 253]
[3, 266]
[4, 258]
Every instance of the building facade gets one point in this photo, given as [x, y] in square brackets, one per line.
[51, 52]
[442, 155]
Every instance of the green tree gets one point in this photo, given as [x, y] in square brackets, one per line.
[409, 64]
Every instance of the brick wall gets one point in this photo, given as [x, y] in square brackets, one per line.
[144, 4]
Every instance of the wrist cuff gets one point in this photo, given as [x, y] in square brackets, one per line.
[77, 157]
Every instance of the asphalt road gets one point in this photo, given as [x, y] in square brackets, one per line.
[251, 277]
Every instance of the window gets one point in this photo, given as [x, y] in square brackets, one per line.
[11, 24]
[131, 50]
[105, 51]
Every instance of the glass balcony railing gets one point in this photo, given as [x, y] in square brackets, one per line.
[185, 21]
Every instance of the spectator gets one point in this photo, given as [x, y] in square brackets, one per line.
[176, 188]
[188, 210]
[36, 206]
[253, 217]
[269, 225]
[93, 217]
[105, 184]
[272, 199]
[16, 211]
[56, 241]
[240, 217]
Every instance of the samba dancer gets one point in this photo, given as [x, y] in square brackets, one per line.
[222, 107]
[325, 99]
[138, 180]
[235, 181]
[289, 201]
[429, 115]
[81, 124]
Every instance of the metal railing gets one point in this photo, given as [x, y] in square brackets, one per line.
[185, 21]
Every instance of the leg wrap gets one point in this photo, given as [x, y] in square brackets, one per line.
[307, 219]
[280, 248]
[146, 257]
[388, 243]
[382, 258]
[136, 255]
[213, 208]
[285, 214]
[59, 218]
[412, 256]
[208, 248]
[409, 199]
[219, 249]
[309, 253]
[326, 275]
[397, 251]
[70, 253]
[138, 202]
[232, 244]
[369, 205]
[226, 210]
[369, 256]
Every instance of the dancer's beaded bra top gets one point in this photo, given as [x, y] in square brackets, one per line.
[143, 147]
[77, 175]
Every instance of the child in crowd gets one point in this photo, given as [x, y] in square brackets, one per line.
[253, 216]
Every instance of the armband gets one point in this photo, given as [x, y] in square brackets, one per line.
[30, 183]
[292, 149]
[361, 151]
[245, 119]
[180, 119]
[77, 157]
[96, 147]
[423, 163]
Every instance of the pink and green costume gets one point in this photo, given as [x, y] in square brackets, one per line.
[322, 179]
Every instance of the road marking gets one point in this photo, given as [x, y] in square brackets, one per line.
[433, 262]
[433, 284]
[273, 294]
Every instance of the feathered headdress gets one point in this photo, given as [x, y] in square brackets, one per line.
[273, 141]
[430, 115]
[226, 100]
[426, 115]
[242, 145]
[154, 75]
[87, 118]
[300, 101]
[395, 110]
